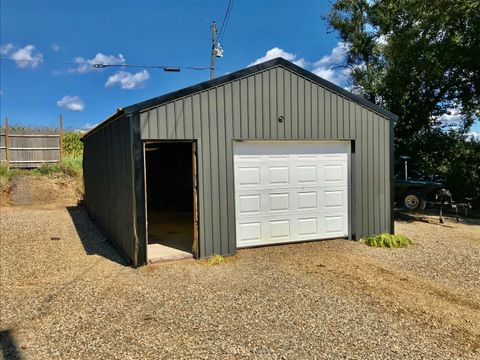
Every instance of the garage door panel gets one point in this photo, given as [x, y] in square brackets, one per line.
[306, 174]
[278, 202]
[279, 229]
[334, 225]
[278, 175]
[334, 199]
[249, 204]
[247, 176]
[307, 227]
[290, 191]
[249, 233]
[307, 200]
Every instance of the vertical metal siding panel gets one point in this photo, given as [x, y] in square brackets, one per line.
[321, 113]
[346, 119]
[301, 107]
[179, 120]
[328, 115]
[188, 116]
[206, 180]
[236, 115]
[334, 98]
[258, 107]
[314, 104]
[364, 160]
[381, 163]
[153, 125]
[308, 109]
[278, 102]
[371, 173]
[244, 109]
[340, 116]
[251, 107]
[171, 120]
[197, 134]
[294, 102]
[229, 134]
[266, 104]
[222, 170]
[376, 172]
[389, 166]
[213, 174]
[360, 163]
[286, 98]
[272, 94]
[162, 122]
[144, 120]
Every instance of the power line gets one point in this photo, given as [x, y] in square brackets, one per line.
[223, 27]
[101, 66]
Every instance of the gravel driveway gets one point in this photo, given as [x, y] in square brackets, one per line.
[65, 293]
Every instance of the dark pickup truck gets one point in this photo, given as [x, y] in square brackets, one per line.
[414, 191]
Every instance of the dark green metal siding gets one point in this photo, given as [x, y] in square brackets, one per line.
[249, 108]
[109, 184]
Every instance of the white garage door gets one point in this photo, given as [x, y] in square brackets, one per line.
[290, 191]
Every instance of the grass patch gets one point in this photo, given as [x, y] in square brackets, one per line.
[70, 166]
[387, 240]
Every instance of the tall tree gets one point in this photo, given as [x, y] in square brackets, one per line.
[419, 59]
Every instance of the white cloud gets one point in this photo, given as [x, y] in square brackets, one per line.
[277, 52]
[26, 57]
[474, 135]
[87, 127]
[71, 103]
[56, 47]
[452, 116]
[86, 65]
[127, 80]
[327, 66]
[5, 48]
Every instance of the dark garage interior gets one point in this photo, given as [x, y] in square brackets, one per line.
[169, 180]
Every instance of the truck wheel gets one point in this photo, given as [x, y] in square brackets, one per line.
[413, 202]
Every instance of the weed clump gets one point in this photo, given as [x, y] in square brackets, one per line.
[215, 260]
[387, 240]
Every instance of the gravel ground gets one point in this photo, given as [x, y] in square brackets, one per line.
[65, 293]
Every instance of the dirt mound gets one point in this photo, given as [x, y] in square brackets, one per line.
[44, 192]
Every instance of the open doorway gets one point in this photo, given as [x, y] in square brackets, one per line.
[170, 177]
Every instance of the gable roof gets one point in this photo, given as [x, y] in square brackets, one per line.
[240, 74]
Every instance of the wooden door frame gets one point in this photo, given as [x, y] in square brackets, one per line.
[196, 237]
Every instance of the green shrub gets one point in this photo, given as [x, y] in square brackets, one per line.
[72, 145]
[387, 240]
[70, 166]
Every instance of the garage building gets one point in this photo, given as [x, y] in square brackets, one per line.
[266, 155]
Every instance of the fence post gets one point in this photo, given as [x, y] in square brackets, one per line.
[61, 138]
[7, 145]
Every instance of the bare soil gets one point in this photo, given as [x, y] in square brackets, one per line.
[41, 192]
[66, 293]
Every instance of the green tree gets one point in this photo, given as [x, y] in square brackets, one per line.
[419, 59]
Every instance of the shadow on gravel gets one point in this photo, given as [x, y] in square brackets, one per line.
[9, 346]
[94, 242]
[432, 216]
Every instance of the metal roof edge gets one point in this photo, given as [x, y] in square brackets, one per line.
[239, 74]
[120, 112]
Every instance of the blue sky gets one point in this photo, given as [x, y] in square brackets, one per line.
[152, 32]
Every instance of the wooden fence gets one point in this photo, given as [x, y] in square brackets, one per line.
[30, 148]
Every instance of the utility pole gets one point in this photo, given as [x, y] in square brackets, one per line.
[213, 28]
